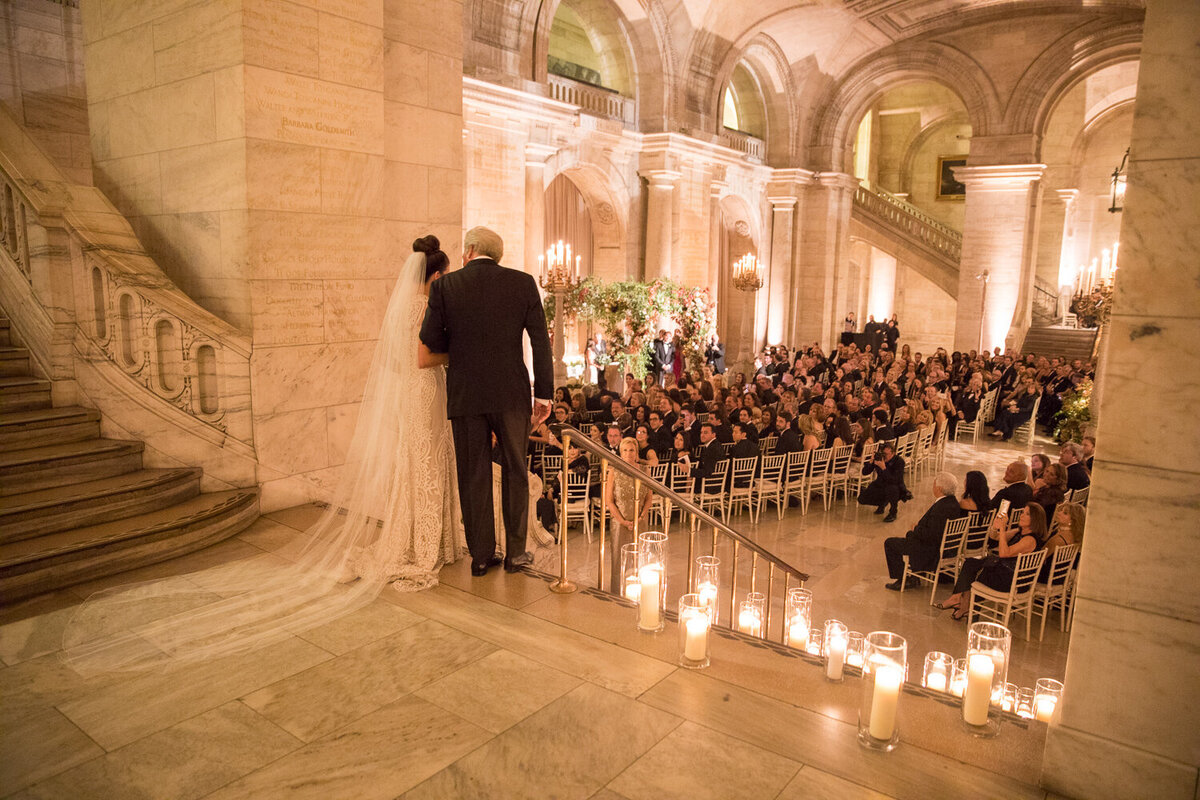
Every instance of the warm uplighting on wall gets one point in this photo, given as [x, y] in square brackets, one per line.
[746, 275]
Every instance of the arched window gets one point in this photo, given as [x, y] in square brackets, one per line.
[743, 109]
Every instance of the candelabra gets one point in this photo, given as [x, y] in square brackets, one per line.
[559, 275]
[746, 275]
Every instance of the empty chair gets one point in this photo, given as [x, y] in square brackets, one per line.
[837, 476]
[769, 486]
[947, 563]
[766, 445]
[993, 606]
[1053, 593]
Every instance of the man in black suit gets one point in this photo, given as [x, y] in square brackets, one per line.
[478, 315]
[663, 356]
[888, 488]
[922, 543]
[789, 437]
[714, 355]
[1071, 457]
[707, 457]
[883, 431]
[743, 447]
[1017, 492]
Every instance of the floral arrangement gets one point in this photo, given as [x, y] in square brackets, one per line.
[1075, 417]
[629, 312]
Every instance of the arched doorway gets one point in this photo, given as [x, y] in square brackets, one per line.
[737, 311]
[568, 220]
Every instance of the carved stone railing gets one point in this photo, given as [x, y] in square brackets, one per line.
[744, 143]
[104, 323]
[909, 221]
[593, 99]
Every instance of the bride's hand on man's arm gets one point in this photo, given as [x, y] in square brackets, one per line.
[426, 358]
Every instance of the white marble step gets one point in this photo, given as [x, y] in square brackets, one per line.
[33, 566]
[29, 514]
[20, 393]
[20, 430]
[14, 361]
[64, 464]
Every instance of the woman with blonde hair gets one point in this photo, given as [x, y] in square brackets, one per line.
[808, 432]
[619, 498]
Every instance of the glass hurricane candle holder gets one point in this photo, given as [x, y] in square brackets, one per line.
[1024, 704]
[652, 575]
[939, 670]
[708, 584]
[856, 644]
[752, 614]
[1009, 703]
[816, 637]
[958, 683]
[695, 620]
[1046, 699]
[631, 587]
[988, 648]
[797, 618]
[885, 663]
[834, 652]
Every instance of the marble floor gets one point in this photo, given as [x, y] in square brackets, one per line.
[498, 688]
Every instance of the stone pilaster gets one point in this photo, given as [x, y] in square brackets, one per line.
[660, 235]
[998, 233]
[1065, 280]
[535, 202]
[823, 259]
[1127, 727]
[779, 281]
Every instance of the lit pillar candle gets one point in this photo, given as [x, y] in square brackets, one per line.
[835, 657]
[708, 594]
[978, 693]
[750, 622]
[633, 589]
[936, 681]
[884, 701]
[695, 646]
[648, 610]
[1045, 708]
[798, 633]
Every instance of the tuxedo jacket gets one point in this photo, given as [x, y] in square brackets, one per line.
[1018, 495]
[1077, 477]
[477, 314]
[927, 533]
[707, 458]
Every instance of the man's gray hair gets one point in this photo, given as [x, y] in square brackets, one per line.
[1075, 449]
[487, 243]
[946, 484]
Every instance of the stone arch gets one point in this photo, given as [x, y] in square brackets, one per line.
[737, 311]
[1063, 65]
[837, 118]
[650, 68]
[919, 141]
[608, 208]
[765, 60]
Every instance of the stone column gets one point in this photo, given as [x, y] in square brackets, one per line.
[881, 289]
[822, 258]
[1066, 260]
[779, 286]
[1128, 723]
[535, 203]
[998, 231]
[660, 203]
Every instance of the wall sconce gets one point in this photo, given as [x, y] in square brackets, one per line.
[1119, 177]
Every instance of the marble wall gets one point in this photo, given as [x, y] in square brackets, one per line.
[42, 81]
[1128, 722]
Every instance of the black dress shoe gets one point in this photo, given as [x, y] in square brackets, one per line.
[891, 517]
[880, 509]
[894, 586]
[515, 563]
[480, 568]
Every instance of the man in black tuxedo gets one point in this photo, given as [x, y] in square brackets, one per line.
[1016, 491]
[789, 437]
[707, 457]
[714, 355]
[743, 447]
[663, 356]
[478, 315]
[1071, 457]
[922, 543]
[888, 488]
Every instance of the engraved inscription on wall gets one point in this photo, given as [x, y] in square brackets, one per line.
[291, 108]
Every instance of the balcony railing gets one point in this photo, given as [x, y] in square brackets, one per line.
[910, 220]
[744, 143]
[745, 566]
[593, 100]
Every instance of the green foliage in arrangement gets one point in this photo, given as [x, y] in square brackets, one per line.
[1075, 417]
[630, 312]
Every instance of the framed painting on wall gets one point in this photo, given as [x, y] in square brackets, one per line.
[948, 187]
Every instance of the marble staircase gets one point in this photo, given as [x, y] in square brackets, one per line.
[1056, 340]
[75, 506]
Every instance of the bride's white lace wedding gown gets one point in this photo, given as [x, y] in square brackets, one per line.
[395, 519]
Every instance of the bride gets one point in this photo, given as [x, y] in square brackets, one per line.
[395, 520]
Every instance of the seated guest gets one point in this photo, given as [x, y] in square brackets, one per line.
[789, 437]
[612, 438]
[1050, 489]
[1071, 457]
[975, 495]
[883, 431]
[996, 570]
[1089, 452]
[1037, 465]
[1016, 411]
[923, 542]
[742, 448]
[646, 452]
[808, 430]
[1069, 519]
[1016, 491]
[888, 489]
[708, 456]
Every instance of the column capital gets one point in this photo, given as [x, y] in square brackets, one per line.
[999, 177]
[661, 178]
[1067, 196]
[536, 153]
[782, 202]
[835, 180]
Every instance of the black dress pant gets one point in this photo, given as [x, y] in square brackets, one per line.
[894, 550]
[473, 453]
[880, 494]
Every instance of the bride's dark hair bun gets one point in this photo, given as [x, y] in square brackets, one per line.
[427, 245]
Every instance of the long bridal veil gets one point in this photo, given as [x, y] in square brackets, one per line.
[366, 538]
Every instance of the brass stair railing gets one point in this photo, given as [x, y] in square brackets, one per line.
[750, 562]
